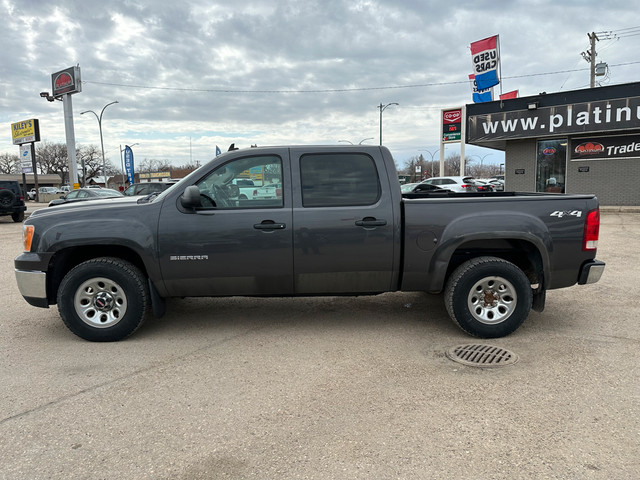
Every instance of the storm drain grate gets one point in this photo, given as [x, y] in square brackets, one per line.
[485, 356]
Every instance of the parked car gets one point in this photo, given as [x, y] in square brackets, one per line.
[83, 194]
[483, 185]
[407, 187]
[268, 191]
[455, 184]
[246, 188]
[31, 194]
[148, 187]
[492, 259]
[12, 200]
[424, 188]
[498, 185]
[46, 190]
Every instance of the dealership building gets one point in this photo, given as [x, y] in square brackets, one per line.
[582, 141]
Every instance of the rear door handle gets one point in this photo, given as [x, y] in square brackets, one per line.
[370, 222]
[269, 225]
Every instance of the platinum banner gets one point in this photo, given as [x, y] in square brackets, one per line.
[605, 115]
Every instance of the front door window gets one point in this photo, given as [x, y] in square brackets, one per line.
[551, 166]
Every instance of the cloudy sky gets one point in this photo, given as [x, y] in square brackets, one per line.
[191, 75]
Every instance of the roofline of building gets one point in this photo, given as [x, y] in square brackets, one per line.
[553, 99]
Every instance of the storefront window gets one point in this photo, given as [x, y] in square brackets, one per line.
[551, 166]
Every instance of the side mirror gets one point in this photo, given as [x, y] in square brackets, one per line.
[190, 199]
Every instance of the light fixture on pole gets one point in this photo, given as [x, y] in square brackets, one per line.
[359, 143]
[481, 160]
[99, 118]
[382, 109]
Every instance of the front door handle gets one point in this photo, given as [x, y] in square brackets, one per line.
[269, 225]
[370, 222]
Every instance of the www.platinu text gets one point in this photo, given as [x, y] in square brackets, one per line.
[557, 120]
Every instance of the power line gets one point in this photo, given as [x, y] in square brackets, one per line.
[328, 90]
[333, 90]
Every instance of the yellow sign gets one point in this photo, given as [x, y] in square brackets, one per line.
[27, 131]
[156, 175]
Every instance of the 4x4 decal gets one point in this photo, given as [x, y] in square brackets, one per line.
[565, 213]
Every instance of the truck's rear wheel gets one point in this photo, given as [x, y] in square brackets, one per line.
[488, 297]
[103, 299]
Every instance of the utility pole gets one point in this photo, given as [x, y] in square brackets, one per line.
[590, 56]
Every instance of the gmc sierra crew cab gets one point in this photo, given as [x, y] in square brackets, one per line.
[338, 225]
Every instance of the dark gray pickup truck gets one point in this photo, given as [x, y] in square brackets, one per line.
[329, 221]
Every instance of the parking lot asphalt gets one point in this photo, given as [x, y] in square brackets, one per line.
[327, 388]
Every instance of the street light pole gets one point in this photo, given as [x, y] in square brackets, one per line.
[481, 161]
[382, 109]
[432, 155]
[99, 118]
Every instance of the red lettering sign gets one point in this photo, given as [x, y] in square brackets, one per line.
[452, 116]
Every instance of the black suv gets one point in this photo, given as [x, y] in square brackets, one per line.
[12, 200]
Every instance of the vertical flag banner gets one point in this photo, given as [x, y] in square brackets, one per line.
[128, 164]
[480, 96]
[485, 55]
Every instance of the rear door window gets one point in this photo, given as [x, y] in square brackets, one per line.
[345, 179]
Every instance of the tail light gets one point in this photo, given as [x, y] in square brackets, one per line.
[591, 230]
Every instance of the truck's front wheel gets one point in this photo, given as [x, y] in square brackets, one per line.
[488, 297]
[103, 299]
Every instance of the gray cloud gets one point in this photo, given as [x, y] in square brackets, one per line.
[158, 58]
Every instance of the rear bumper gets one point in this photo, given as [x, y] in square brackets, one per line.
[14, 209]
[591, 272]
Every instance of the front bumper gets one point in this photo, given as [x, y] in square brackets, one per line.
[591, 272]
[33, 287]
[31, 276]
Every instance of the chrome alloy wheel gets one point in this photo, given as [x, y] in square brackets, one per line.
[100, 302]
[492, 300]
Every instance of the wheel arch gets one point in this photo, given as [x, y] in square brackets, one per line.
[527, 252]
[66, 259]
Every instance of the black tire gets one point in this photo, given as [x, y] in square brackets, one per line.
[103, 299]
[7, 198]
[488, 297]
[17, 216]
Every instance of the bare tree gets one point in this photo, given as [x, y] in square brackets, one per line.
[9, 163]
[90, 159]
[52, 158]
[151, 165]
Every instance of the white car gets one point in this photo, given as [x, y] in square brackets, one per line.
[455, 184]
[268, 191]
